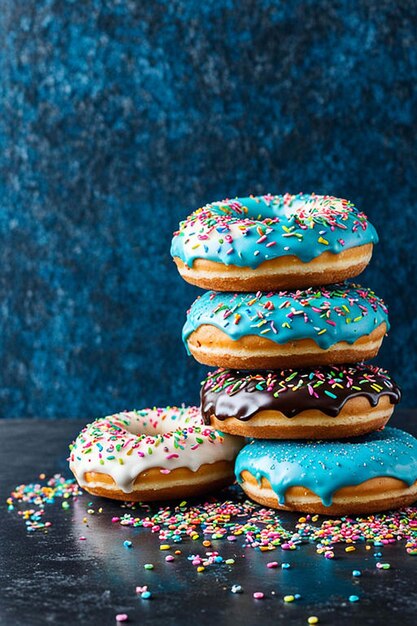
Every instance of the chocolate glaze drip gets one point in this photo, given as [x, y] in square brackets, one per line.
[241, 394]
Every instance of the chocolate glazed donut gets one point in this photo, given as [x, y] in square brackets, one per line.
[326, 402]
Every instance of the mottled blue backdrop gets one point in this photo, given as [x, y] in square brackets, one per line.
[118, 117]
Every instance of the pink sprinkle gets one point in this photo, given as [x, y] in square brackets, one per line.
[141, 589]
[231, 538]
[115, 519]
[169, 558]
[261, 239]
[173, 455]
[165, 471]
[272, 564]
[122, 617]
[271, 243]
[258, 595]
[286, 546]
[83, 538]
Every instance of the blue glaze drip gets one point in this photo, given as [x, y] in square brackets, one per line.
[330, 314]
[248, 231]
[325, 467]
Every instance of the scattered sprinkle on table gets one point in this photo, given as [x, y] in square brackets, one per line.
[40, 494]
[291, 597]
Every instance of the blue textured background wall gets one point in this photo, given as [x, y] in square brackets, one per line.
[120, 117]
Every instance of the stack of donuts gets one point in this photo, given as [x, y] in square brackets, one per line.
[290, 334]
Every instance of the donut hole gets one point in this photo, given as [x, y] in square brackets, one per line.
[305, 208]
[158, 422]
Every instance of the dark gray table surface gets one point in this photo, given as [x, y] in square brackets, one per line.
[54, 578]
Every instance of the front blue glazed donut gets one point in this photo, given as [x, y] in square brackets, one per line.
[326, 467]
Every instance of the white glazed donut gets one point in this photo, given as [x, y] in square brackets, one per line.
[153, 454]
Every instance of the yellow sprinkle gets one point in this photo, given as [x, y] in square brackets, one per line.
[315, 518]
[90, 511]
[194, 537]
[100, 510]
[206, 543]
[84, 520]
[323, 241]
[121, 461]
[323, 330]
[302, 520]
[350, 549]
[183, 503]
[288, 598]
[313, 619]
[200, 569]
[164, 546]
[357, 319]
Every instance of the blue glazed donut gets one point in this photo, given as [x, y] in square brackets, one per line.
[359, 475]
[273, 242]
[337, 324]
